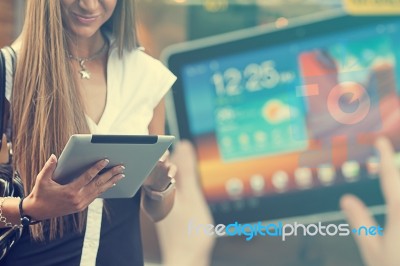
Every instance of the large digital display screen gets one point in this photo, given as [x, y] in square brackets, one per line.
[297, 115]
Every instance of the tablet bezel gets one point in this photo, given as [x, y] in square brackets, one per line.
[291, 204]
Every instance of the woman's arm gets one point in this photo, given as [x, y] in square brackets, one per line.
[157, 123]
[158, 207]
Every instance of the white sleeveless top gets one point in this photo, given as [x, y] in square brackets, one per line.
[135, 85]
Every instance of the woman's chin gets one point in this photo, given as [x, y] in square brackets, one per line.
[84, 33]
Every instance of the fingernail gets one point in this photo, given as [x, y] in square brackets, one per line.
[52, 158]
[123, 167]
[122, 176]
[164, 156]
[105, 162]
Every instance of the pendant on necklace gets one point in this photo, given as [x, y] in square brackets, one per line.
[85, 74]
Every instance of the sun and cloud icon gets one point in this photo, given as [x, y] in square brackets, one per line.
[275, 111]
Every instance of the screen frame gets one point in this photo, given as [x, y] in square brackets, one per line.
[311, 201]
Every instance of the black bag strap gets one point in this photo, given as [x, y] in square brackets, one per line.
[2, 92]
[4, 113]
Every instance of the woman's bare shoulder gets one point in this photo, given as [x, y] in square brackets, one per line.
[16, 45]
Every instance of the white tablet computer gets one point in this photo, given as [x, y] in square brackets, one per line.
[139, 154]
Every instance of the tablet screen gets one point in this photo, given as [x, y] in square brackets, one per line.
[276, 116]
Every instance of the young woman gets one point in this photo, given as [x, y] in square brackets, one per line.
[79, 70]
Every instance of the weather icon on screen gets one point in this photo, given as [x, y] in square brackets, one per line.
[275, 111]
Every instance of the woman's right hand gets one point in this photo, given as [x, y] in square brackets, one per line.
[49, 199]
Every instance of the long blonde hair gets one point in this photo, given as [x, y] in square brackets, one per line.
[46, 104]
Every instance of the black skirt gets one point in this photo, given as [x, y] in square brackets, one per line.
[120, 241]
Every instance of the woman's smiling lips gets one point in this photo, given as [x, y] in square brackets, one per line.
[85, 19]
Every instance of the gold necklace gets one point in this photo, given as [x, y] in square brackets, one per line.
[85, 74]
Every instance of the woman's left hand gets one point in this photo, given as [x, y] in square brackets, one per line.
[161, 176]
[159, 190]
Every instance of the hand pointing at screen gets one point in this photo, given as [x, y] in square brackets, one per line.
[379, 250]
